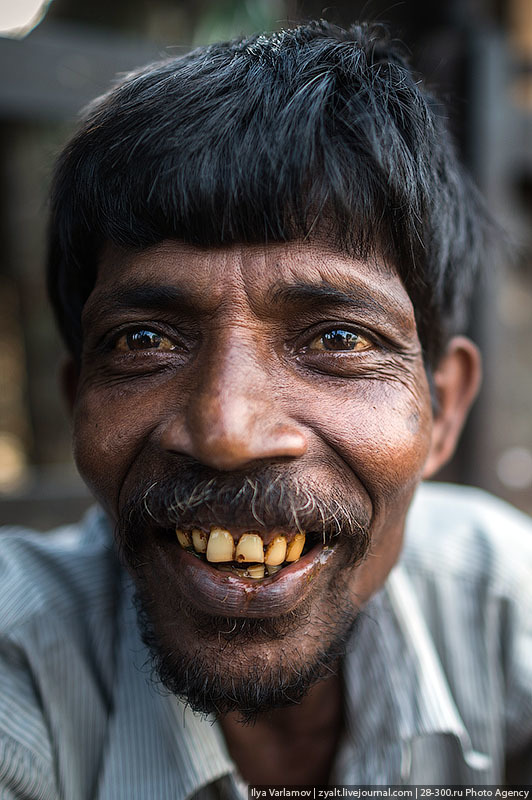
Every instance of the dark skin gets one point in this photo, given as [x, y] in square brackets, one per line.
[289, 355]
[297, 744]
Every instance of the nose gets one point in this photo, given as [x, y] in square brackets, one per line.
[234, 414]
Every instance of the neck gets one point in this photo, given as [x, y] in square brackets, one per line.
[294, 745]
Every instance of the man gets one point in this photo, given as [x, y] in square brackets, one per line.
[260, 259]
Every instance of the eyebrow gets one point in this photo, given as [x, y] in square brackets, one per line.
[161, 297]
[355, 297]
[168, 297]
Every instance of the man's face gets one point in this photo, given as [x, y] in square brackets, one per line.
[265, 389]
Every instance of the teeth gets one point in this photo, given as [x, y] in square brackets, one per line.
[183, 538]
[223, 567]
[199, 540]
[295, 548]
[276, 551]
[250, 548]
[221, 546]
[242, 573]
[256, 571]
[218, 547]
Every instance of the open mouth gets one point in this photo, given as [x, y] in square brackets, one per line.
[249, 554]
[238, 571]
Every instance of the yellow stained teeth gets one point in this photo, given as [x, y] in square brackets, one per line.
[250, 548]
[256, 571]
[276, 551]
[295, 547]
[242, 573]
[183, 538]
[218, 547]
[199, 540]
[221, 546]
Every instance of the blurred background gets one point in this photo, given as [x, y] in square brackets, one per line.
[56, 56]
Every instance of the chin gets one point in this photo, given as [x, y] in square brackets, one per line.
[246, 665]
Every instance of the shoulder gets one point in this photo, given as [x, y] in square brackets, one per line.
[59, 594]
[463, 533]
[63, 573]
[468, 559]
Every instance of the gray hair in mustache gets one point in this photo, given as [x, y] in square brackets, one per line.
[265, 500]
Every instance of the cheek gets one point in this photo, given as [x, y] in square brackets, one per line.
[382, 433]
[110, 427]
[381, 430]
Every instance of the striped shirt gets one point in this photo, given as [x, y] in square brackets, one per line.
[438, 679]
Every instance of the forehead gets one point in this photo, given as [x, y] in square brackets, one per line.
[254, 274]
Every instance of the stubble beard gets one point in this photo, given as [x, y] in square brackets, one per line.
[248, 665]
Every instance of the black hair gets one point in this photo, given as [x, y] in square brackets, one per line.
[315, 130]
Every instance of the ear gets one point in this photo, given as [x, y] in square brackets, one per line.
[456, 382]
[68, 377]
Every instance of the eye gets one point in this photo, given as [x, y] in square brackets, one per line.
[143, 339]
[339, 340]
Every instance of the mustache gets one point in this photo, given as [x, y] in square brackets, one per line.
[193, 496]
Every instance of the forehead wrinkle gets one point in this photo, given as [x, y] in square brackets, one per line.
[315, 273]
[374, 281]
[177, 265]
[258, 277]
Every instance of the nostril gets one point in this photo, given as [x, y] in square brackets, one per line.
[232, 442]
[228, 430]
[230, 452]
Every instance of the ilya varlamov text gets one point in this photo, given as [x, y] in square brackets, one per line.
[421, 793]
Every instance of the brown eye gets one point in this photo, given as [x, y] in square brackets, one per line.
[339, 340]
[143, 340]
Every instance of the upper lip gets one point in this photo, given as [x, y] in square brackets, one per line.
[264, 501]
[273, 521]
[243, 520]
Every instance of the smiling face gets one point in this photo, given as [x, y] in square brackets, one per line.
[259, 389]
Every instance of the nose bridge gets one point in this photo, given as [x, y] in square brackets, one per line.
[235, 415]
[228, 386]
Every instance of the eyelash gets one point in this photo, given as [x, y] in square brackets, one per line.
[303, 342]
[144, 333]
[340, 336]
[301, 347]
[109, 342]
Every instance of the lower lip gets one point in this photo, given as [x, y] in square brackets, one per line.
[222, 594]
